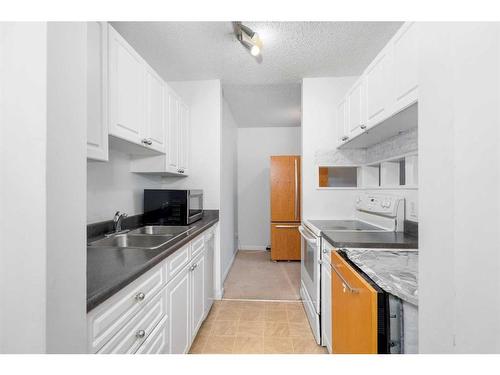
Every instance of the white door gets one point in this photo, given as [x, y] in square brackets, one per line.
[97, 81]
[155, 131]
[378, 88]
[126, 90]
[356, 119]
[173, 132]
[405, 68]
[178, 295]
[197, 293]
[209, 272]
[183, 137]
[342, 120]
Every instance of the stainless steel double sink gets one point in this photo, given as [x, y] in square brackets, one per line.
[148, 237]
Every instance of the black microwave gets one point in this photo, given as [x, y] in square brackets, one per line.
[172, 207]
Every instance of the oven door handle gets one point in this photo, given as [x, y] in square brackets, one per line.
[306, 237]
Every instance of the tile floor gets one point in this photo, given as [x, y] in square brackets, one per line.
[251, 327]
[254, 276]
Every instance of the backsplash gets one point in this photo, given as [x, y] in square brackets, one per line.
[401, 144]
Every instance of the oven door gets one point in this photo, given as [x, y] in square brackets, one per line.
[309, 266]
[194, 205]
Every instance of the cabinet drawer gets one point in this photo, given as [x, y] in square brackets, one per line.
[177, 261]
[157, 341]
[106, 319]
[129, 338]
[197, 246]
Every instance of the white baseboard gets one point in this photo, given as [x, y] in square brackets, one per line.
[226, 271]
[251, 247]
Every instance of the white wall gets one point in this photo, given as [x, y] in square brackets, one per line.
[255, 147]
[23, 186]
[66, 199]
[42, 198]
[459, 176]
[204, 99]
[320, 97]
[112, 187]
[229, 200]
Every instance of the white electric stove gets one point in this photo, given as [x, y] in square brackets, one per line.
[373, 213]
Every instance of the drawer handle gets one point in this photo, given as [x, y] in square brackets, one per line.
[140, 296]
[140, 334]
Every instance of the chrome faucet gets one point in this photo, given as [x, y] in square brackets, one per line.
[117, 221]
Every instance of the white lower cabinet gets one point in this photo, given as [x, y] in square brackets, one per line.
[157, 341]
[161, 311]
[197, 294]
[179, 301]
[209, 270]
[135, 332]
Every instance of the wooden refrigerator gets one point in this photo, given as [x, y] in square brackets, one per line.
[285, 207]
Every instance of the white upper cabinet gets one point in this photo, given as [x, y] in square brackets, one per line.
[184, 138]
[405, 68]
[173, 126]
[97, 79]
[126, 90]
[356, 103]
[155, 102]
[378, 88]
[342, 121]
[136, 99]
[388, 86]
[175, 162]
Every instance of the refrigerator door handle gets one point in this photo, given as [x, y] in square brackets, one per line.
[296, 190]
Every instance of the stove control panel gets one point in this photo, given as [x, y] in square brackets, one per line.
[386, 205]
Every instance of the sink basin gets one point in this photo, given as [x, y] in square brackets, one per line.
[162, 230]
[130, 240]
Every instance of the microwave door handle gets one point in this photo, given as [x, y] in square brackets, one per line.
[306, 237]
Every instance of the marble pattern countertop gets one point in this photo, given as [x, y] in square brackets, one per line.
[109, 269]
[395, 271]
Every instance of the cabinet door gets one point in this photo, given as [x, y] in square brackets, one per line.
[405, 69]
[157, 341]
[126, 90]
[183, 138]
[378, 88]
[155, 131]
[209, 271]
[342, 121]
[356, 101]
[285, 188]
[97, 81]
[354, 310]
[173, 132]
[326, 305]
[179, 313]
[197, 294]
[285, 241]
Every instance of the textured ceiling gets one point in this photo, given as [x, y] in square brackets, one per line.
[292, 51]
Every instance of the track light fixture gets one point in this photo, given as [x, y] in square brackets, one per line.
[248, 38]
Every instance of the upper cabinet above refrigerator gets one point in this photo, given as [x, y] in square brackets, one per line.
[387, 88]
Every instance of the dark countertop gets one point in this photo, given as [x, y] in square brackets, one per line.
[381, 240]
[111, 269]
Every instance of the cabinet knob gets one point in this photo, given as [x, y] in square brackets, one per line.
[147, 141]
[362, 126]
[345, 138]
[140, 296]
[140, 334]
